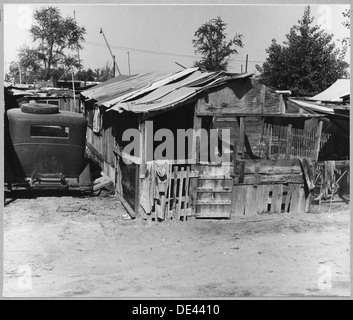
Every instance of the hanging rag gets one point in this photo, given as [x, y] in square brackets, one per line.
[161, 168]
[161, 175]
[97, 120]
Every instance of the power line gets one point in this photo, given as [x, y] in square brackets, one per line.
[163, 53]
[143, 50]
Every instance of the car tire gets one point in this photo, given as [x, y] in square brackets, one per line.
[39, 108]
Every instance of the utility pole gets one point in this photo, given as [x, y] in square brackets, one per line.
[114, 63]
[111, 53]
[246, 64]
[78, 50]
[128, 61]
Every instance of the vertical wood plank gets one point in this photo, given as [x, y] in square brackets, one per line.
[274, 199]
[262, 198]
[239, 200]
[276, 203]
[175, 191]
[251, 204]
[294, 203]
[302, 200]
[288, 198]
[168, 202]
[193, 189]
[137, 191]
[289, 144]
[241, 136]
[317, 139]
[186, 192]
[181, 182]
[196, 142]
[142, 128]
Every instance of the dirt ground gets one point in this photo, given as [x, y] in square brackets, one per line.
[71, 246]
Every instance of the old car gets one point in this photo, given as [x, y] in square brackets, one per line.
[45, 148]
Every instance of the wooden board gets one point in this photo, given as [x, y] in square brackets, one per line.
[186, 202]
[240, 96]
[213, 211]
[268, 179]
[239, 200]
[181, 186]
[251, 205]
[288, 198]
[276, 200]
[273, 167]
[295, 199]
[262, 198]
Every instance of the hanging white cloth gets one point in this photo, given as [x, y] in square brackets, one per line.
[97, 120]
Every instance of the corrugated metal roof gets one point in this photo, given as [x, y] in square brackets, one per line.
[162, 91]
[149, 88]
[334, 93]
[313, 106]
[175, 93]
[171, 99]
[151, 92]
[119, 86]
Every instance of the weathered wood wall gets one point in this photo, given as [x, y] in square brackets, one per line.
[262, 186]
[241, 97]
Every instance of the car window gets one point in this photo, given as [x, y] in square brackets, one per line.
[49, 131]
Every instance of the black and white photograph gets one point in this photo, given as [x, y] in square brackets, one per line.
[175, 151]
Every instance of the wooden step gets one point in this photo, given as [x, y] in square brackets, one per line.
[209, 190]
[214, 203]
[213, 215]
[215, 178]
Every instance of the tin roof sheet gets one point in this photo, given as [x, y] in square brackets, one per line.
[151, 92]
[334, 93]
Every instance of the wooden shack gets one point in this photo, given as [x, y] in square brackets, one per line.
[268, 143]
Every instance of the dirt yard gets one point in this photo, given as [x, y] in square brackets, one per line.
[87, 247]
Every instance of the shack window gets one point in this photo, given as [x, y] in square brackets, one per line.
[49, 131]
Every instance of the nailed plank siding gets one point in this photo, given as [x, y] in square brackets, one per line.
[238, 97]
[290, 166]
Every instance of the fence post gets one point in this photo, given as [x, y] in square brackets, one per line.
[241, 136]
[289, 141]
[317, 139]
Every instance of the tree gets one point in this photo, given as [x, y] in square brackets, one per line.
[347, 24]
[105, 73]
[211, 43]
[307, 63]
[85, 75]
[54, 38]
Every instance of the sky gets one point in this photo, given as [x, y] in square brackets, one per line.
[153, 38]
